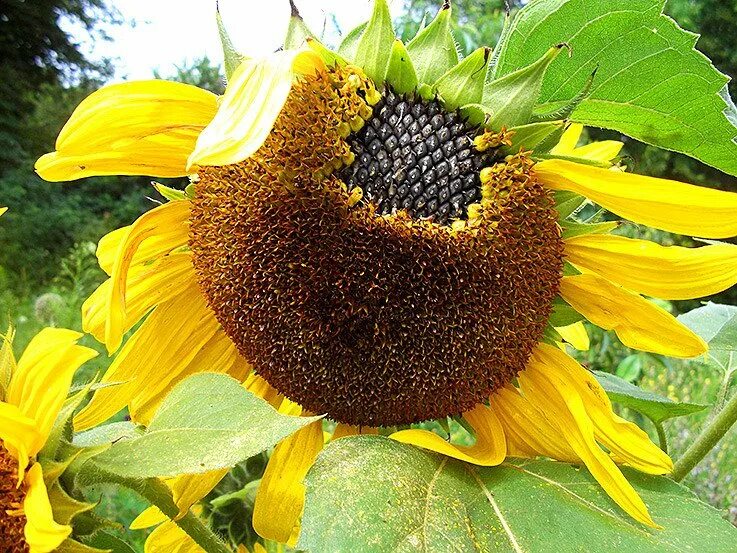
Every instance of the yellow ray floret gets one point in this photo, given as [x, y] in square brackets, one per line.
[666, 272]
[489, 450]
[254, 98]
[281, 494]
[136, 128]
[639, 323]
[663, 204]
[575, 334]
[602, 151]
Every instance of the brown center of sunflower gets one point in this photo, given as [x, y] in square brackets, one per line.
[354, 304]
[12, 522]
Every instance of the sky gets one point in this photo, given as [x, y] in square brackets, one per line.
[160, 34]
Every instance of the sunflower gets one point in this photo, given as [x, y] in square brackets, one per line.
[363, 239]
[32, 391]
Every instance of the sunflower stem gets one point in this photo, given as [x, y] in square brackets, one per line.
[709, 437]
[158, 494]
[662, 437]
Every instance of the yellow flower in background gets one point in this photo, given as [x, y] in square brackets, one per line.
[32, 391]
[370, 254]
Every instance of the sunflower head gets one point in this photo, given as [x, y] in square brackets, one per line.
[380, 258]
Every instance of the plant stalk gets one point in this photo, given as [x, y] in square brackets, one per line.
[158, 494]
[709, 437]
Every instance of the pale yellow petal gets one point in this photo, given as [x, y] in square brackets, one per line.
[258, 386]
[148, 518]
[169, 538]
[660, 203]
[165, 223]
[134, 128]
[158, 353]
[568, 141]
[626, 441]
[188, 489]
[604, 150]
[343, 430]
[19, 435]
[490, 447]
[565, 406]
[575, 334]
[281, 494]
[42, 533]
[667, 272]
[639, 324]
[255, 95]
[41, 382]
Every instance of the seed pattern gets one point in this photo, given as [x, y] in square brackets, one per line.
[374, 319]
[414, 155]
[11, 499]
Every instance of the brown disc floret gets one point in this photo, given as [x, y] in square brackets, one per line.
[374, 316]
[12, 520]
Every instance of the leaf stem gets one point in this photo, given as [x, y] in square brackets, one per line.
[662, 437]
[709, 437]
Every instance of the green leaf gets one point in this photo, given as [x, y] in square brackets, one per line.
[629, 368]
[297, 31]
[433, 50]
[563, 314]
[169, 193]
[401, 73]
[348, 47]
[62, 430]
[232, 58]
[574, 228]
[656, 408]
[372, 494]
[375, 46]
[108, 433]
[105, 541]
[464, 83]
[651, 83]
[512, 98]
[535, 136]
[566, 203]
[64, 506]
[208, 421]
[716, 324]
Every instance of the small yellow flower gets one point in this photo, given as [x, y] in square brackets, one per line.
[31, 399]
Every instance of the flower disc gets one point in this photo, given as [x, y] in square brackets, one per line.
[12, 520]
[373, 315]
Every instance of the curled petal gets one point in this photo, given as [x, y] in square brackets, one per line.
[42, 533]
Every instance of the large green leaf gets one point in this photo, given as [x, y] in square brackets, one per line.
[655, 407]
[371, 494]
[716, 324]
[208, 421]
[651, 83]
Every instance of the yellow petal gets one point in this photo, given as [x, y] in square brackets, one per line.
[7, 361]
[169, 538]
[343, 430]
[626, 441]
[3, 210]
[667, 272]
[135, 128]
[640, 324]
[565, 407]
[42, 533]
[490, 447]
[259, 387]
[252, 101]
[663, 204]
[568, 141]
[44, 374]
[575, 334]
[281, 494]
[169, 340]
[188, 489]
[148, 284]
[604, 150]
[529, 431]
[18, 434]
[166, 224]
[148, 518]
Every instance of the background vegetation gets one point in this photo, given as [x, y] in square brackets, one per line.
[48, 237]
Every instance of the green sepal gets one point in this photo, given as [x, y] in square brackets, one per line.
[534, 136]
[570, 270]
[72, 546]
[375, 45]
[500, 45]
[401, 75]
[567, 203]
[330, 58]
[232, 58]
[433, 49]
[563, 314]
[65, 507]
[7, 362]
[573, 228]
[426, 92]
[62, 431]
[464, 83]
[512, 98]
[348, 47]
[297, 31]
[107, 542]
[170, 194]
[476, 114]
